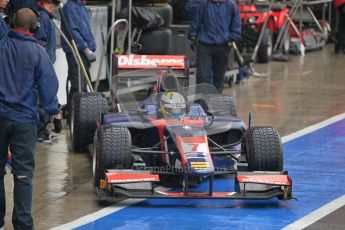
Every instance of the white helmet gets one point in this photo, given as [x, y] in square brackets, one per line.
[172, 105]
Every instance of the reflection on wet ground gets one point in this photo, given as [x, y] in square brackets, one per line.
[295, 94]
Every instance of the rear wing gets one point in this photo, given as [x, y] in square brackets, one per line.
[132, 61]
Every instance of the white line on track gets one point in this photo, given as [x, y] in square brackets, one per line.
[299, 224]
[97, 215]
[313, 128]
[317, 214]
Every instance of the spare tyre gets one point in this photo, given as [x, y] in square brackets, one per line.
[165, 11]
[156, 42]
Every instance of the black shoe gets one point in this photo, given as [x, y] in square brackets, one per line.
[47, 137]
[57, 126]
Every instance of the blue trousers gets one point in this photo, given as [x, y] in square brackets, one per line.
[212, 58]
[21, 139]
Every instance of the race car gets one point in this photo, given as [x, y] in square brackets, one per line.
[179, 137]
[167, 134]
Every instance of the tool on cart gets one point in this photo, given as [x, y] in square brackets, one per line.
[278, 55]
[136, 47]
[246, 65]
[310, 34]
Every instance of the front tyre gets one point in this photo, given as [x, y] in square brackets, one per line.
[263, 149]
[112, 150]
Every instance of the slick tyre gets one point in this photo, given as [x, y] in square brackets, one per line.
[86, 109]
[263, 149]
[112, 150]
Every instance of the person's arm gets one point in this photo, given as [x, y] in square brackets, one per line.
[235, 26]
[194, 10]
[3, 26]
[71, 14]
[88, 33]
[43, 33]
[47, 84]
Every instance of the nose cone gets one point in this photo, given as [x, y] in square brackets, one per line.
[199, 164]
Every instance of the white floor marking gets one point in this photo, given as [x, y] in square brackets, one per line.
[299, 224]
[317, 214]
[313, 128]
[97, 215]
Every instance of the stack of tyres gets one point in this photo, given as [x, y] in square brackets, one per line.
[158, 41]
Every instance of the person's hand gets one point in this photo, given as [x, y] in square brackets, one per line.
[3, 4]
[89, 54]
[193, 44]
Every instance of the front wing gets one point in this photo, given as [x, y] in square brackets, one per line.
[248, 185]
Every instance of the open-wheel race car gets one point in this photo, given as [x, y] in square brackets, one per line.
[164, 134]
[180, 137]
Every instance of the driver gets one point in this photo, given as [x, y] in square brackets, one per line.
[172, 105]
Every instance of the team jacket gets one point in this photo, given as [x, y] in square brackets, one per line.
[3, 29]
[78, 19]
[214, 23]
[46, 34]
[26, 73]
[13, 5]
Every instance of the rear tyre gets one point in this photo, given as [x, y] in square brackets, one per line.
[265, 48]
[112, 150]
[223, 103]
[263, 149]
[86, 109]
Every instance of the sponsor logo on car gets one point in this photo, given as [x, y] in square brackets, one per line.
[132, 61]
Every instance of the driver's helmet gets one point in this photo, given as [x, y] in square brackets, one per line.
[172, 105]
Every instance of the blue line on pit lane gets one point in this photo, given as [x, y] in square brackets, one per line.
[315, 163]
